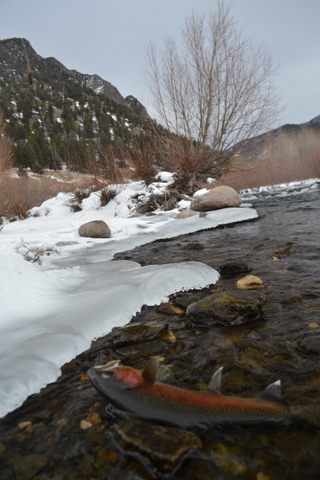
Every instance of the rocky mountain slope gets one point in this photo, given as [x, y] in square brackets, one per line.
[56, 115]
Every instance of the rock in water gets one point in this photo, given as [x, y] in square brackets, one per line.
[227, 308]
[164, 446]
[219, 197]
[95, 229]
[249, 282]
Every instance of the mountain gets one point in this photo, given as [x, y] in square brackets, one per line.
[286, 154]
[59, 116]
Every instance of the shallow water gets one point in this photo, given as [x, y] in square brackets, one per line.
[282, 248]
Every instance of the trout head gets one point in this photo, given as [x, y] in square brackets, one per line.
[113, 377]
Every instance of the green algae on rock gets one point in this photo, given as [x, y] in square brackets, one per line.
[228, 308]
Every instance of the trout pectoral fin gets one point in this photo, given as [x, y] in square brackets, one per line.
[215, 383]
[273, 393]
[150, 371]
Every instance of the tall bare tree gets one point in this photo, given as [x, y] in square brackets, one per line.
[214, 88]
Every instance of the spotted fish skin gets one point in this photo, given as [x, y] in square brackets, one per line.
[142, 397]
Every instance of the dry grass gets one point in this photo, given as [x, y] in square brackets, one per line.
[19, 194]
[286, 158]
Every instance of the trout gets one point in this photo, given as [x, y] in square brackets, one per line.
[141, 396]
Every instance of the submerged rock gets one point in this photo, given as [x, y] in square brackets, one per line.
[138, 333]
[310, 344]
[233, 268]
[95, 229]
[227, 308]
[163, 448]
[219, 197]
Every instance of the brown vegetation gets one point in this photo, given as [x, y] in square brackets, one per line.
[19, 194]
[141, 159]
[286, 157]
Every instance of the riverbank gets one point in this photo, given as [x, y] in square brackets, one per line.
[64, 432]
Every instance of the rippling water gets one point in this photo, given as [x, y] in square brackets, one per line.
[282, 247]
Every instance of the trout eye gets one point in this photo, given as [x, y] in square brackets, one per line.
[107, 374]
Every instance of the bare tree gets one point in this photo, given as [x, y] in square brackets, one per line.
[215, 88]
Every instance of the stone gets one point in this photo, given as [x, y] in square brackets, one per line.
[234, 268]
[228, 308]
[310, 344]
[249, 282]
[84, 424]
[168, 308]
[95, 229]
[222, 196]
[27, 466]
[138, 333]
[185, 299]
[164, 446]
[186, 214]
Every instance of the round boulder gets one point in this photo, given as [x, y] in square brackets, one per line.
[95, 229]
[216, 198]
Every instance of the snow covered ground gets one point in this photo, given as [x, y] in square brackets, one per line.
[50, 312]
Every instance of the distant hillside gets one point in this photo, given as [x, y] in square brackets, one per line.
[55, 115]
[288, 153]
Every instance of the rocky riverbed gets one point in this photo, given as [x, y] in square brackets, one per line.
[65, 432]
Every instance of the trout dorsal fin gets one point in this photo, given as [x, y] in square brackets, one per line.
[150, 371]
[215, 383]
[273, 393]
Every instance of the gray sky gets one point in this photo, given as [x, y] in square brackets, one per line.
[110, 37]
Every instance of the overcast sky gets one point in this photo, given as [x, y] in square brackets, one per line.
[110, 37]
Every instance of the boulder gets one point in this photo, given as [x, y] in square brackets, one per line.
[216, 198]
[228, 308]
[95, 229]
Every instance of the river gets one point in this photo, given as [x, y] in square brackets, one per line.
[282, 248]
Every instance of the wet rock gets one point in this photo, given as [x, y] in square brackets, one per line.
[186, 214]
[141, 350]
[163, 448]
[232, 269]
[310, 344]
[228, 308]
[138, 333]
[230, 460]
[249, 282]
[95, 229]
[169, 309]
[288, 249]
[218, 197]
[194, 246]
[26, 466]
[186, 299]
